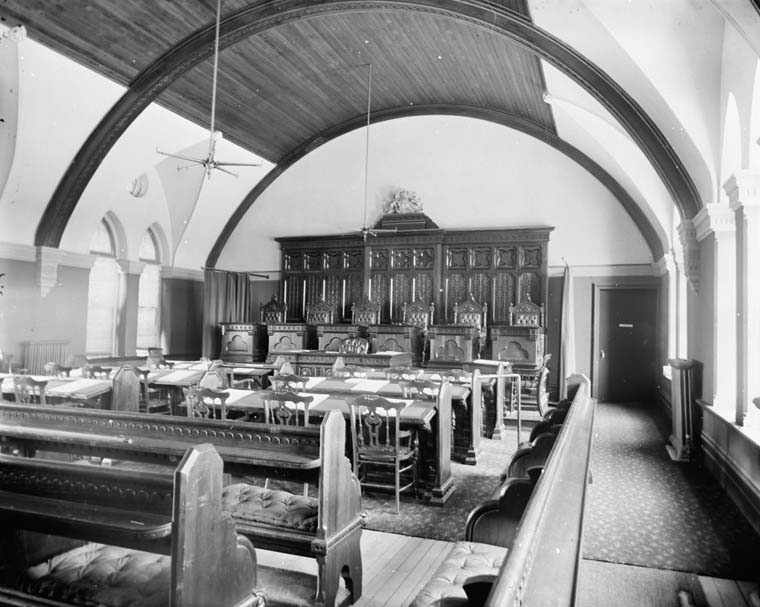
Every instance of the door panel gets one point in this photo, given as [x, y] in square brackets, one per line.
[626, 341]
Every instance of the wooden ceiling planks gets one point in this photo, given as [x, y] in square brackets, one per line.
[287, 85]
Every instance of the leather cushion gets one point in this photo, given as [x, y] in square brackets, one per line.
[278, 508]
[95, 574]
[465, 560]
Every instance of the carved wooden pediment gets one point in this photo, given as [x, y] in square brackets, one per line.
[273, 311]
[526, 314]
[365, 312]
[470, 312]
[319, 313]
[418, 314]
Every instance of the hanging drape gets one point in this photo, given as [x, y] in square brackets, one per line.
[226, 298]
[567, 333]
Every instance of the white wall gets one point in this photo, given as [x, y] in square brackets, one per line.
[468, 173]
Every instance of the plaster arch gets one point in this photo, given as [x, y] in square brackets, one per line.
[731, 149]
[754, 122]
[254, 19]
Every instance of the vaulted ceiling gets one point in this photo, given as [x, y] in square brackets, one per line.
[293, 74]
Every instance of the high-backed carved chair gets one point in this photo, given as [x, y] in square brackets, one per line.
[379, 445]
[319, 313]
[273, 312]
[526, 314]
[418, 314]
[206, 403]
[470, 312]
[354, 345]
[365, 313]
[29, 390]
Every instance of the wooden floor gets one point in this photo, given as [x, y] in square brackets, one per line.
[395, 566]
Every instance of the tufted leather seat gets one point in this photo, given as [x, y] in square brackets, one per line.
[277, 508]
[95, 574]
[466, 559]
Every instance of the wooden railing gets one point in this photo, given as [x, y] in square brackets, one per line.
[542, 565]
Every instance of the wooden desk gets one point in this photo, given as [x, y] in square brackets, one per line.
[465, 405]
[318, 363]
[435, 438]
[256, 372]
[64, 387]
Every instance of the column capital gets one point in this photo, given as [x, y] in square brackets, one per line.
[14, 34]
[127, 266]
[688, 236]
[743, 189]
[665, 265]
[714, 219]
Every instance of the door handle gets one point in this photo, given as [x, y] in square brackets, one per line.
[602, 354]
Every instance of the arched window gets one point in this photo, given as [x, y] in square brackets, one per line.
[149, 296]
[103, 293]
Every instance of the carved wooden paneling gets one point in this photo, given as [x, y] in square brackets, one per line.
[480, 287]
[334, 293]
[506, 257]
[402, 259]
[402, 293]
[423, 288]
[481, 258]
[530, 257]
[379, 286]
[530, 287]
[313, 261]
[456, 259]
[354, 286]
[333, 260]
[294, 262]
[424, 259]
[380, 260]
[504, 297]
[314, 284]
[294, 290]
[354, 260]
[457, 289]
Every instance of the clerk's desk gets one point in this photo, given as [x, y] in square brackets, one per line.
[424, 415]
[319, 363]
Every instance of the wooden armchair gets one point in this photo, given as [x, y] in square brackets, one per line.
[206, 403]
[152, 400]
[96, 372]
[350, 371]
[380, 445]
[283, 382]
[156, 359]
[320, 313]
[526, 314]
[418, 314]
[56, 370]
[273, 312]
[470, 312]
[365, 313]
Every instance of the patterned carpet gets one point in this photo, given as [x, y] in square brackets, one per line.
[644, 509]
[473, 484]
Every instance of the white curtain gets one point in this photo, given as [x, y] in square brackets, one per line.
[567, 334]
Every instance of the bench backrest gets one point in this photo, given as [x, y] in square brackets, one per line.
[541, 568]
[199, 536]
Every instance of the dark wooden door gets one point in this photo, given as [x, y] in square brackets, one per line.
[625, 343]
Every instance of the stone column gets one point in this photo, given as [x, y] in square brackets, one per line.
[743, 189]
[126, 311]
[717, 220]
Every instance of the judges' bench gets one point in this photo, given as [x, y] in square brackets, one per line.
[327, 528]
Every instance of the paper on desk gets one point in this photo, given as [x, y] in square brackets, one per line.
[318, 399]
[72, 387]
[314, 381]
[370, 385]
[202, 366]
[176, 376]
[236, 395]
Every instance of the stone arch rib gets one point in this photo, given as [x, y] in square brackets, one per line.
[252, 20]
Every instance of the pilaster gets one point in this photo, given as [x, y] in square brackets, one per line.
[743, 190]
[688, 237]
[717, 220]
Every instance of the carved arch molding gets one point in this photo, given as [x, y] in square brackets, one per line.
[252, 20]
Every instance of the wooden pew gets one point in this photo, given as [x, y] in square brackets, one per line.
[524, 546]
[177, 515]
[314, 454]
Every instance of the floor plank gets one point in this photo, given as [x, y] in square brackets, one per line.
[729, 592]
[424, 569]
